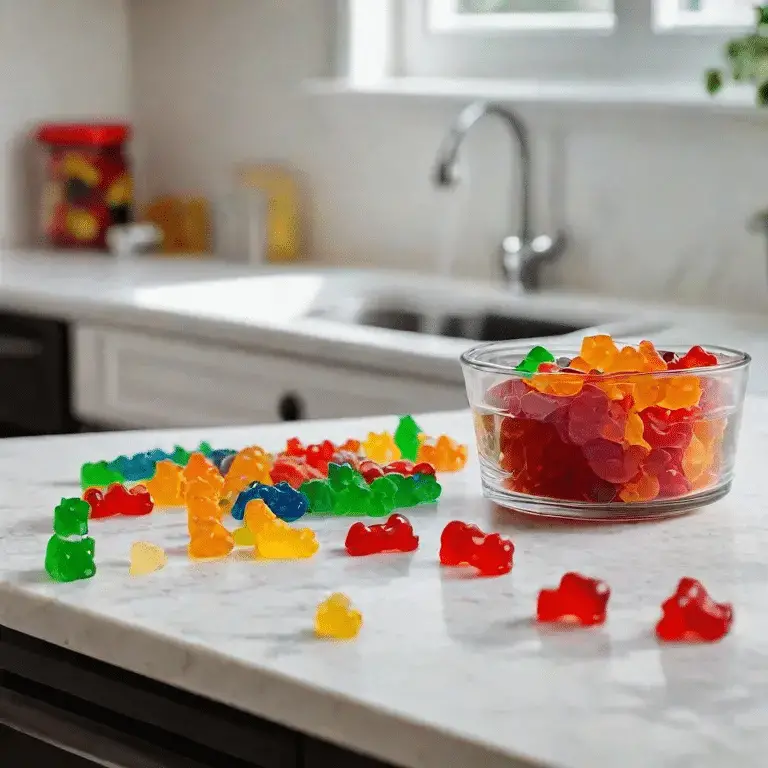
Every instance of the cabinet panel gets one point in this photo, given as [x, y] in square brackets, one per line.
[134, 379]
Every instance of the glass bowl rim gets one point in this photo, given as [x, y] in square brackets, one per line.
[470, 358]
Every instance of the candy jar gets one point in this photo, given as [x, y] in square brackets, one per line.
[88, 183]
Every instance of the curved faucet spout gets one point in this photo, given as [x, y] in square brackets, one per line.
[445, 173]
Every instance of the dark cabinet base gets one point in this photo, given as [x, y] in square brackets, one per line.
[81, 696]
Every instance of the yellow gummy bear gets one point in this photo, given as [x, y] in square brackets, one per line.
[146, 558]
[243, 537]
[381, 448]
[257, 516]
[276, 540]
[337, 619]
[444, 453]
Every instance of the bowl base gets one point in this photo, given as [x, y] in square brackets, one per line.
[610, 512]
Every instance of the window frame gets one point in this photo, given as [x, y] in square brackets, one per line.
[638, 48]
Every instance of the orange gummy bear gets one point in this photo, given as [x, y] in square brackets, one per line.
[628, 360]
[598, 352]
[681, 392]
[251, 465]
[646, 488]
[167, 487]
[208, 538]
[652, 359]
[633, 431]
[444, 454]
[550, 382]
[199, 468]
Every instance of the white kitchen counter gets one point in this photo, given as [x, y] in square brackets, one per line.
[241, 308]
[449, 670]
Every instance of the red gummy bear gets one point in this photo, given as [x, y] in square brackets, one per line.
[465, 544]
[293, 470]
[119, 500]
[692, 616]
[370, 470]
[320, 455]
[577, 600]
[396, 535]
[695, 357]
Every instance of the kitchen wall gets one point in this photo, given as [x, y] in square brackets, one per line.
[61, 59]
[654, 204]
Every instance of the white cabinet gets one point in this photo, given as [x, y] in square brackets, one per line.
[132, 379]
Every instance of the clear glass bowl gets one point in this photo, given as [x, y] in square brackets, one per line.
[624, 446]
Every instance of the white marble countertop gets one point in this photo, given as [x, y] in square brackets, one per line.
[448, 670]
[241, 307]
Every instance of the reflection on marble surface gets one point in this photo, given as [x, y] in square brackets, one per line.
[449, 670]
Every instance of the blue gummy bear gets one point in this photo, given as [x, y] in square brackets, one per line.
[217, 456]
[140, 466]
[287, 503]
[157, 454]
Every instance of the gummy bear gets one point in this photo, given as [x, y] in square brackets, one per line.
[395, 535]
[138, 467]
[250, 465]
[320, 455]
[70, 518]
[146, 558]
[465, 544]
[98, 475]
[681, 392]
[276, 540]
[691, 616]
[257, 516]
[287, 503]
[695, 357]
[200, 469]
[168, 486]
[337, 619]
[577, 600]
[243, 537]
[381, 448]
[293, 470]
[531, 362]
[70, 559]
[407, 437]
[208, 538]
[119, 500]
[444, 454]
[598, 352]
[319, 496]
[179, 456]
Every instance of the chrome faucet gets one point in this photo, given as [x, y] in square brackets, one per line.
[522, 255]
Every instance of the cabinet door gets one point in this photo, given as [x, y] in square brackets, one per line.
[132, 379]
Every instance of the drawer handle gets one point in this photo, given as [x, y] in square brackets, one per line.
[290, 408]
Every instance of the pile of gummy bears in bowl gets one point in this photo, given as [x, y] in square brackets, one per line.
[605, 431]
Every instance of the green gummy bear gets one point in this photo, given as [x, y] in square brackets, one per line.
[180, 456]
[99, 475]
[352, 500]
[205, 448]
[426, 488]
[534, 359]
[383, 492]
[319, 495]
[343, 476]
[407, 437]
[70, 518]
[70, 559]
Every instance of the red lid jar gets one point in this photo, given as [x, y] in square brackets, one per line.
[88, 184]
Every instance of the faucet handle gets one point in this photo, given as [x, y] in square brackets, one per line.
[522, 259]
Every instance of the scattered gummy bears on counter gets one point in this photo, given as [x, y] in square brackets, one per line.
[613, 424]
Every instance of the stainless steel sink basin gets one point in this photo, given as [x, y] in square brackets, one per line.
[483, 327]
[480, 326]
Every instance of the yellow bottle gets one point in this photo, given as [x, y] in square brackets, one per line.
[282, 198]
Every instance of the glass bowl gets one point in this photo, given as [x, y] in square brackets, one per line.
[620, 446]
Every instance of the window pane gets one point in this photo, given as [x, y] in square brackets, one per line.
[537, 6]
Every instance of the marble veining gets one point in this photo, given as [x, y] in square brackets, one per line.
[448, 670]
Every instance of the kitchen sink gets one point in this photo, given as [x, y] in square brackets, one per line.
[479, 326]
[482, 327]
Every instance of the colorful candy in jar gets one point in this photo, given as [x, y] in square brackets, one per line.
[607, 425]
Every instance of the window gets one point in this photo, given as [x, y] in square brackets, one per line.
[643, 41]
